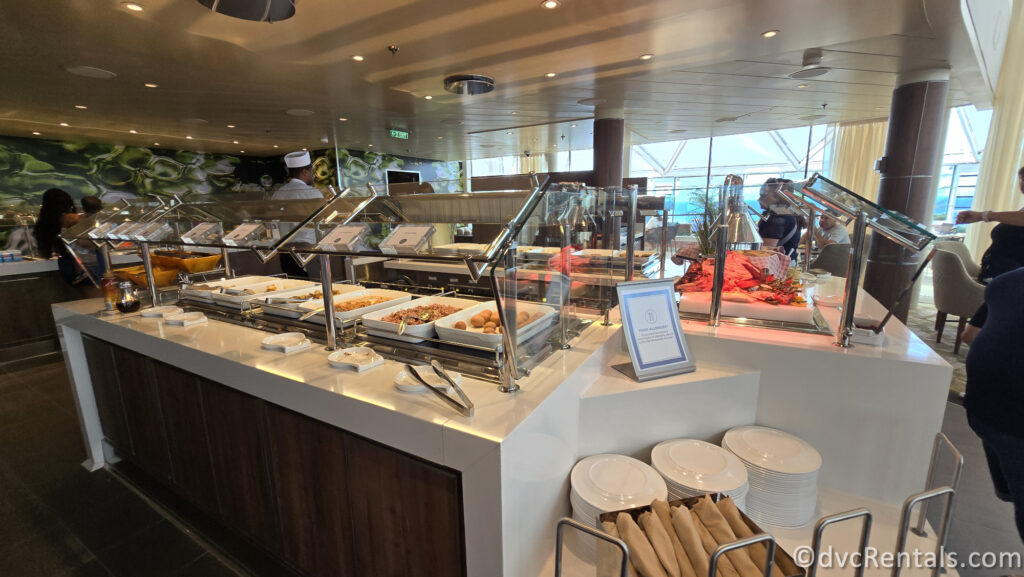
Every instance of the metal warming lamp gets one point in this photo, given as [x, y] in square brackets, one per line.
[736, 231]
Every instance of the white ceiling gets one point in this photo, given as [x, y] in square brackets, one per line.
[710, 62]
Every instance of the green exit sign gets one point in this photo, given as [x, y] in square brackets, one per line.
[399, 133]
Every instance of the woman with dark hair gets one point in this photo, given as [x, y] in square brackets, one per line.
[780, 227]
[1006, 252]
[56, 213]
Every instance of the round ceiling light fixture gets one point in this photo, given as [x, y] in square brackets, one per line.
[64, 124]
[133, 132]
[90, 72]
[357, 58]
[811, 65]
[469, 84]
[646, 56]
[37, 133]
[151, 85]
[133, 6]
[550, 4]
[253, 10]
[770, 33]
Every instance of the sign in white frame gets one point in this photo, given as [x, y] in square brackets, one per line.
[653, 331]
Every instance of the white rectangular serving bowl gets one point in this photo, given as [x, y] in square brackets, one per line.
[343, 316]
[446, 330]
[295, 310]
[282, 284]
[207, 296]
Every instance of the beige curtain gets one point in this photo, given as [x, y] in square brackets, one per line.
[997, 183]
[857, 146]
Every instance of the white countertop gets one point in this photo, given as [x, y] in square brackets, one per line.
[50, 265]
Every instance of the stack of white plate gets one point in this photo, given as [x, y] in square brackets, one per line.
[692, 468]
[783, 474]
[603, 483]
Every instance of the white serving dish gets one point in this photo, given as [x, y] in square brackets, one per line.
[470, 248]
[396, 297]
[161, 312]
[472, 336]
[409, 384]
[286, 342]
[834, 301]
[616, 482]
[699, 465]
[259, 289]
[207, 295]
[186, 319]
[413, 333]
[295, 310]
[700, 302]
[358, 358]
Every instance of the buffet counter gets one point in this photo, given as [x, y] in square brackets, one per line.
[872, 412]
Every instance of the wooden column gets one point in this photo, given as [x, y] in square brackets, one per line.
[608, 134]
[913, 151]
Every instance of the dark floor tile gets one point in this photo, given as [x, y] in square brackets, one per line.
[81, 492]
[22, 515]
[20, 401]
[111, 524]
[206, 566]
[91, 569]
[52, 552]
[32, 362]
[158, 551]
[53, 383]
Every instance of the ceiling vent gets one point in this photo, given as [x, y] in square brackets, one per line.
[812, 65]
[254, 10]
[469, 84]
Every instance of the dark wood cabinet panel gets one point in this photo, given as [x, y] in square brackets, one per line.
[240, 463]
[308, 466]
[406, 514]
[142, 412]
[188, 445]
[107, 391]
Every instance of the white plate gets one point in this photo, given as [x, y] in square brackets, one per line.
[699, 466]
[358, 358]
[286, 342]
[164, 311]
[395, 297]
[186, 319]
[471, 335]
[413, 333]
[616, 482]
[207, 295]
[409, 384]
[772, 449]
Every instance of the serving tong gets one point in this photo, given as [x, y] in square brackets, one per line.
[465, 408]
[425, 316]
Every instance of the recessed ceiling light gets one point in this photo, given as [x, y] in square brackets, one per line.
[342, 120]
[275, 146]
[509, 132]
[428, 97]
[306, 149]
[801, 86]
[188, 138]
[514, 113]
[551, 74]
[156, 144]
[241, 152]
[770, 33]
[63, 123]
[36, 133]
[151, 85]
[879, 107]
[298, 112]
[646, 57]
[554, 146]
[440, 138]
[90, 72]
[358, 58]
[132, 132]
[370, 145]
[231, 126]
[81, 106]
[550, 4]
[133, 6]
[234, 142]
[572, 126]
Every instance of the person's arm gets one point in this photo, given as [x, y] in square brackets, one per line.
[821, 238]
[1011, 217]
[976, 323]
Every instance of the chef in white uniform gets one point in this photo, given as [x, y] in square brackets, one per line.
[300, 185]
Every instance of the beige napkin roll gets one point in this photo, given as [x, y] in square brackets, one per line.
[688, 536]
[609, 557]
[725, 567]
[640, 550]
[656, 534]
[758, 552]
[663, 512]
[722, 533]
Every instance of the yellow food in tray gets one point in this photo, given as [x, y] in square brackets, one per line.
[358, 303]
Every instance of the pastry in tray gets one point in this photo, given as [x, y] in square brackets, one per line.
[488, 321]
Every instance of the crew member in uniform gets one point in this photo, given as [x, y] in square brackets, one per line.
[299, 187]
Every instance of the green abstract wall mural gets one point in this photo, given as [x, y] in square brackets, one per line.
[28, 167]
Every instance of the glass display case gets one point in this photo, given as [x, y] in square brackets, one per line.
[16, 238]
